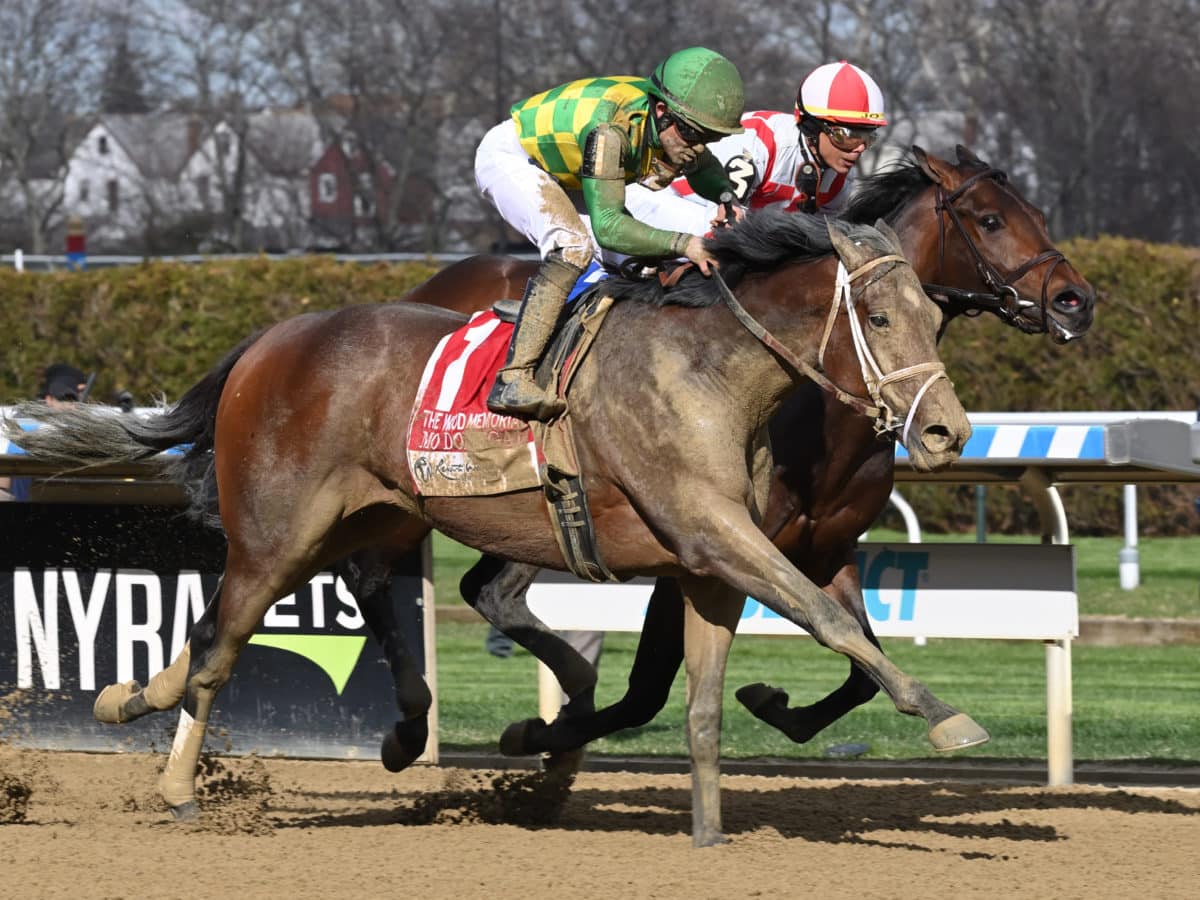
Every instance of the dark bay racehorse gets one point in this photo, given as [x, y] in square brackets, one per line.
[975, 243]
[671, 411]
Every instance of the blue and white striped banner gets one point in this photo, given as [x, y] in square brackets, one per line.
[1002, 442]
[8, 448]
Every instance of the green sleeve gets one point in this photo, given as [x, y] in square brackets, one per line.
[620, 232]
[708, 178]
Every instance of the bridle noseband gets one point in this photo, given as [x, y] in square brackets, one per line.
[1004, 299]
[887, 424]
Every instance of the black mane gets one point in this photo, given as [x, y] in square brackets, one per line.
[764, 240]
[882, 195]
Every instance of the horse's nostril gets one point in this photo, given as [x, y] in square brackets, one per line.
[1068, 300]
[936, 438]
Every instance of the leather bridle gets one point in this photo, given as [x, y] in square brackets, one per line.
[887, 424]
[1002, 297]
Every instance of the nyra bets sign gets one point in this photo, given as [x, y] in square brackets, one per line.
[93, 595]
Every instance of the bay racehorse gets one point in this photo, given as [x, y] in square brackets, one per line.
[303, 427]
[976, 244]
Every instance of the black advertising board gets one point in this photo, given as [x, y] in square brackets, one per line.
[91, 595]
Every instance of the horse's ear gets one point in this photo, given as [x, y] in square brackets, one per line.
[893, 239]
[966, 157]
[849, 252]
[934, 168]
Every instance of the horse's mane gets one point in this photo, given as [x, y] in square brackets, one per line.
[886, 192]
[883, 194]
[764, 240]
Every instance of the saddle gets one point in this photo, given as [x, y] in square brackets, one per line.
[456, 447]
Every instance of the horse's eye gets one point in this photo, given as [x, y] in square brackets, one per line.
[991, 222]
[878, 320]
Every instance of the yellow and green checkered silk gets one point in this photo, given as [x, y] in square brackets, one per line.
[554, 124]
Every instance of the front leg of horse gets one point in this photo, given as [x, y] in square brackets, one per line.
[711, 617]
[802, 723]
[659, 655]
[751, 563]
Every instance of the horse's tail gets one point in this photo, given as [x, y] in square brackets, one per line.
[84, 435]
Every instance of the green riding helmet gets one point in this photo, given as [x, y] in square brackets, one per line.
[702, 87]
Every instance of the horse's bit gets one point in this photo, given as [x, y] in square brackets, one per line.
[887, 424]
[1004, 300]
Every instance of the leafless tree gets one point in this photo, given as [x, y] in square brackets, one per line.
[47, 70]
[222, 74]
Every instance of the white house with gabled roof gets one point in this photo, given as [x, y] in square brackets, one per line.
[123, 176]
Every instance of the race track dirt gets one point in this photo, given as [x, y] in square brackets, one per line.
[90, 826]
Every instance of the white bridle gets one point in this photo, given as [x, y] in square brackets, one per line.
[886, 422]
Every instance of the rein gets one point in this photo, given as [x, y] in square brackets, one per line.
[1004, 299]
[885, 421]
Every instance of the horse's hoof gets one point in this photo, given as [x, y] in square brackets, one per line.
[957, 733]
[111, 701]
[758, 697]
[708, 839]
[519, 738]
[186, 812]
[404, 743]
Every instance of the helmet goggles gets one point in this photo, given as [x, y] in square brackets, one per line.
[690, 133]
[850, 137]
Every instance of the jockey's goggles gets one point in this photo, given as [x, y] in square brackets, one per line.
[847, 137]
[690, 133]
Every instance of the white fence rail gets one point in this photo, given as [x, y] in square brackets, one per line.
[998, 592]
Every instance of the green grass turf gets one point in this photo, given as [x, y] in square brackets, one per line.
[1129, 703]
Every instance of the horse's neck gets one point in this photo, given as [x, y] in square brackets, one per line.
[792, 304]
[707, 348]
[918, 226]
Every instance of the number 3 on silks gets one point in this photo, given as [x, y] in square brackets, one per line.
[740, 172]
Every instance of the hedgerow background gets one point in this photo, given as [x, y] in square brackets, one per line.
[156, 328]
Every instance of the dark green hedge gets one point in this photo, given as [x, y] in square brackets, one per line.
[156, 328]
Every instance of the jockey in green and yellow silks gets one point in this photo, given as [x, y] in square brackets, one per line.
[568, 153]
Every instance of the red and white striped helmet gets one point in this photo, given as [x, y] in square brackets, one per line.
[841, 92]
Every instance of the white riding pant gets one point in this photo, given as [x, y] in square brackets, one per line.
[670, 211]
[530, 200]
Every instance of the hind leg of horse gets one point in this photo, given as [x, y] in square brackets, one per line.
[802, 723]
[368, 575]
[659, 655]
[125, 701]
[257, 573]
[744, 558]
[711, 617]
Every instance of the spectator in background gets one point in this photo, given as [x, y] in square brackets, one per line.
[61, 384]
